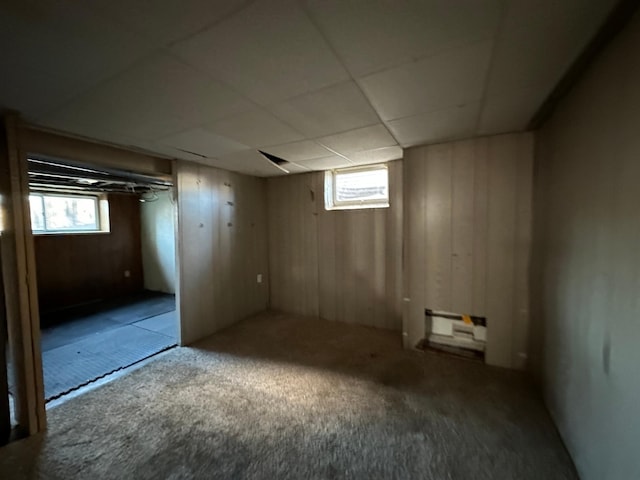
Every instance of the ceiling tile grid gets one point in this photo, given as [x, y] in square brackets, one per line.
[270, 51]
[203, 143]
[305, 150]
[320, 83]
[331, 110]
[367, 138]
[371, 36]
[257, 128]
[444, 80]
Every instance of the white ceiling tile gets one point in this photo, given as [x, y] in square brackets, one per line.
[176, 89]
[331, 110]
[255, 128]
[65, 36]
[445, 80]
[270, 51]
[293, 152]
[378, 155]
[107, 111]
[536, 55]
[370, 36]
[296, 168]
[509, 113]
[165, 21]
[249, 162]
[25, 91]
[158, 97]
[202, 142]
[158, 149]
[447, 124]
[367, 138]
[183, 91]
[95, 69]
[326, 163]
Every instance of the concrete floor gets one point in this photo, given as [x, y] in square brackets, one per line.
[277, 396]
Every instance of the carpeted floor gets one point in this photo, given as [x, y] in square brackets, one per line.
[283, 397]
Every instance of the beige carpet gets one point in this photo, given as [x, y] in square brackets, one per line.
[283, 397]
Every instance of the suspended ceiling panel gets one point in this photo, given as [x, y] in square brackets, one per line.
[321, 83]
[294, 152]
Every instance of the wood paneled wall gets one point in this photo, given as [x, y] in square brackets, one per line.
[74, 269]
[467, 237]
[222, 242]
[586, 316]
[343, 265]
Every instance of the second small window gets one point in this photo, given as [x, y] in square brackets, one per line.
[55, 213]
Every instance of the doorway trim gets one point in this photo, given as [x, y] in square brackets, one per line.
[19, 273]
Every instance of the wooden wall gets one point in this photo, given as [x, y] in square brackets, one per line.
[586, 259]
[343, 265]
[467, 237]
[74, 269]
[222, 242]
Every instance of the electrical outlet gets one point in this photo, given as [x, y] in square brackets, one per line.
[127, 274]
[259, 278]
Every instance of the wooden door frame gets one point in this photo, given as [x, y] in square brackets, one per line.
[19, 263]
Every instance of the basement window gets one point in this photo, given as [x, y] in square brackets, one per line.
[360, 187]
[56, 213]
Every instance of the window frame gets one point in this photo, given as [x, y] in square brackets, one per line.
[330, 195]
[101, 205]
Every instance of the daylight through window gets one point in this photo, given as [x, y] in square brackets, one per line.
[64, 213]
[363, 187]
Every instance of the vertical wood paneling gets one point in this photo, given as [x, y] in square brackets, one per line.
[462, 224]
[338, 265]
[501, 242]
[394, 249]
[221, 219]
[293, 244]
[328, 254]
[480, 215]
[467, 237]
[438, 238]
[524, 227]
[415, 262]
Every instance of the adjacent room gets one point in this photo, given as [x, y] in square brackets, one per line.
[104, 245]
[319, 239]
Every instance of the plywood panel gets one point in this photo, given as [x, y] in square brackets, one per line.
[394, 248]
[501, 251]
[467, 237]
[221, 237]
[524, 231]
[480, 216]
[338, 265]
[438, 238]
[415, 259]
[462, 215]
[585, 321]
[293, 244]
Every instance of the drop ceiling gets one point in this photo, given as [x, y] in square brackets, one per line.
[321, 83]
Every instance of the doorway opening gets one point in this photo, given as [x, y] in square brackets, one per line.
[105, 253]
